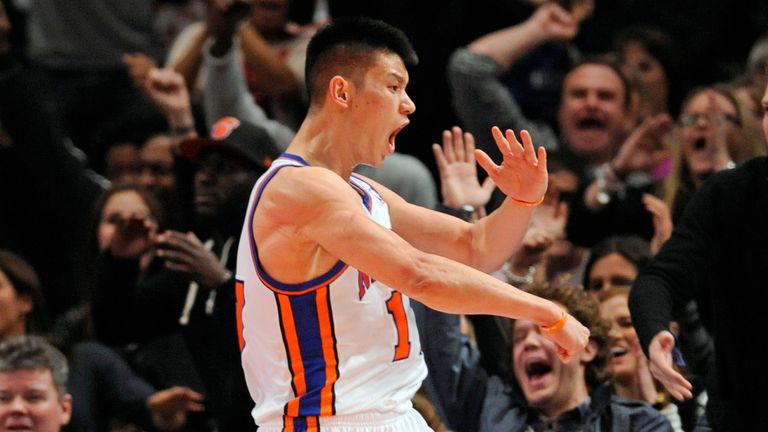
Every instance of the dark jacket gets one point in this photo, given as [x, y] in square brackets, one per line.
[717, 256]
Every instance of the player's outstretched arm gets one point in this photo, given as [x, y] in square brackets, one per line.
[328, 220]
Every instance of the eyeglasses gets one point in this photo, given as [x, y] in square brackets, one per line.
[691, 119]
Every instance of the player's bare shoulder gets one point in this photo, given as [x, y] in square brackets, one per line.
[296, 196]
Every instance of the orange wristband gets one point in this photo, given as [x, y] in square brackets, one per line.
[556, 326]
[527, 203]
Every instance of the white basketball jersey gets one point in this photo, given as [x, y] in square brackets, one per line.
[340, 344]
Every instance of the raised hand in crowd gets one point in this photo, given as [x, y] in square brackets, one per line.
[224, 19]
[579, 9]
[166, 89]
[133, 236]
[459, 183]
[138, 66]
[549, 23]
[662, 221]
[547, 226]
[644, 148]
[186, 254]
[554, 22]
[169, 407]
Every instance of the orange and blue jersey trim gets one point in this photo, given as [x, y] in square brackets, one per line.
[301, 424]
[306, 324]
[239, 306]
[309, 338]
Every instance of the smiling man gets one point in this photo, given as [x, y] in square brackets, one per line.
[329, 259]
[33, 381]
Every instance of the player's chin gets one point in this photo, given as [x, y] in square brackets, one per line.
[376, 160]
[377, 163]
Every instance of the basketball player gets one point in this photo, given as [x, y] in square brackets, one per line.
[328, 259]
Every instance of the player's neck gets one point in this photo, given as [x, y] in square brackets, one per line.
[326, 145]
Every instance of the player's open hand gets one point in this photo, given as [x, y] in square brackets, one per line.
[522, 174]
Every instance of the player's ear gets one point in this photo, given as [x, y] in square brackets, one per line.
[339, 90]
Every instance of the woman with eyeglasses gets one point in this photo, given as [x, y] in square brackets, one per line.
[709, 138]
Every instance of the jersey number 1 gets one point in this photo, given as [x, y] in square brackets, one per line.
[396, 308]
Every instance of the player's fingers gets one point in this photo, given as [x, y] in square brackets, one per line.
[563, 354]
[501, 142]
[486, 162]
[515, 147]
[528, 151]
[542, 159]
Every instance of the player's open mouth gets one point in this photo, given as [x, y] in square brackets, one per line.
[393, 135]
